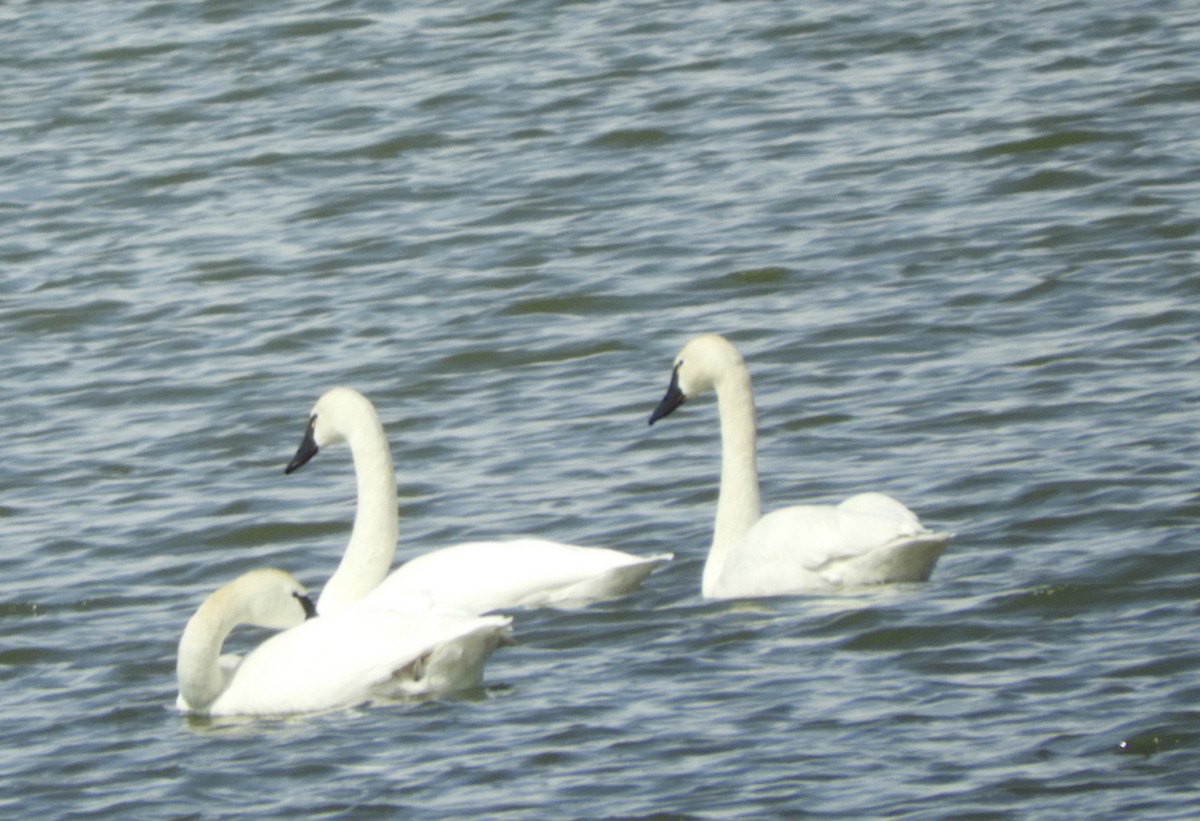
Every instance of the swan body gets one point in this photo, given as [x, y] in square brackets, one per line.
[481, 577]
[868, 539]
[321, 663]
[474, 577]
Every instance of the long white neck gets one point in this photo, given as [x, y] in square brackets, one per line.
[197, 667]
[737, 502]
[372, 547]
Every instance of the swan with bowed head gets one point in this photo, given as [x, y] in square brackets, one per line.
[473, 577]
[321, 663]
[869, 538]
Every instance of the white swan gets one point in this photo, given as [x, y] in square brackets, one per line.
[326, 662]
[867, 539]
[474, 577]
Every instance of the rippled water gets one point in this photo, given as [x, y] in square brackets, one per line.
[957, 243]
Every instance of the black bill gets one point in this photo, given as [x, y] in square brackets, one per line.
[310, 609]
[307, 450]
[673, 398]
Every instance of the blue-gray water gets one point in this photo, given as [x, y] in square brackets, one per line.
[957, 243]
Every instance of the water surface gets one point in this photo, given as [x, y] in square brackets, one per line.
[956, 242]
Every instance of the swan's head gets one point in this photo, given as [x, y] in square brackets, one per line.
[334, 416]
[702, 364]
[269, 598]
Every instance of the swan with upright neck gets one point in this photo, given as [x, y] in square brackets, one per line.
[868, 539]
[321, 663]
[473, 577]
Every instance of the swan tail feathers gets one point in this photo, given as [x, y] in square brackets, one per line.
[616, 582]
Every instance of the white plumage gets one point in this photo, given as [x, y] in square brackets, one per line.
[868, 539]
[324, 662]
[474, 577]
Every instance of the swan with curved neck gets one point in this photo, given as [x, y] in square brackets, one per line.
[474, 577]
[345, 415]
[322, 663]
[263, 598]
[868, 539]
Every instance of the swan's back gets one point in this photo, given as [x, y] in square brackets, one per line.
[356, 655]
[481, 577]
[867, 539]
